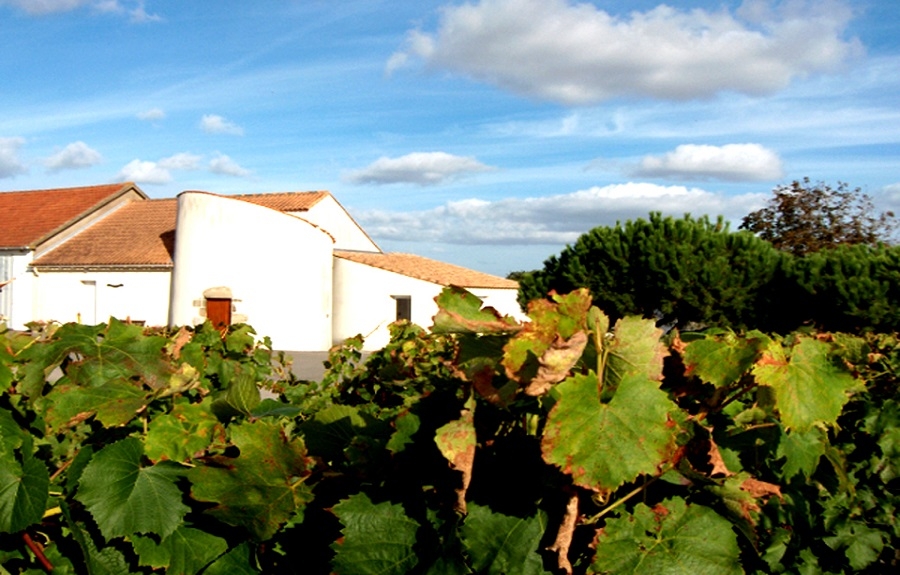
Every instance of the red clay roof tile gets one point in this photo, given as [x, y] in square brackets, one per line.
[427, 269]
[30, 216]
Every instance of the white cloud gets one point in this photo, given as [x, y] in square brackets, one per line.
[160, 171]
[144, 172]
[577, 54]
[731, 162]
[222, 164]
[74, 156]
[214, 124]
[422, 168]
[10, 164]
[183, 161]
[556, 219]
[151, 115]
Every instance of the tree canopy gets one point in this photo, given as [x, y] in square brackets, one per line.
[804, 217]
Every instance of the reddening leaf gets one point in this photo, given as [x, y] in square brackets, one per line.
[553, 324]
[603, 445]
[672, 538]
[188, 430]
[126, 497]
[456, 441]
[24, 488]
[460, 311]
[722, 359]
[186, 551]
[260, 489]
[809, 388]
[377, 538]
[497, 544]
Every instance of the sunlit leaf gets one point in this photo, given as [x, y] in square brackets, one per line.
[459, 311]
[186, 551]
[722, 359]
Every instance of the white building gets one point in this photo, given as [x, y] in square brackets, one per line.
[296, 266]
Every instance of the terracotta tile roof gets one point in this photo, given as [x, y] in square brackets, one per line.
[427, 269]
[284, 201]
[30, 216]
[138, 234]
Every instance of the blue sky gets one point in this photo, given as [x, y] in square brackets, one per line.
[489, 133]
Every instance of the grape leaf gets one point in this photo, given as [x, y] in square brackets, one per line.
[603, 445]
[456, 441]
[460, 311]
[377, 538]
[114, 403]
[186, 551]
[862, 545]
[635, 349]
[24, 488]
[180, 435]
[499, 544]
[260, 489]
[809, 388]
[235, 562]
[672, 538]
[126, 497]
[722, 359]
[801, 450]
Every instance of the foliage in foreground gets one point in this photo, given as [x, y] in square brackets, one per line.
[562, 445]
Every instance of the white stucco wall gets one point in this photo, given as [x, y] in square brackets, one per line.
[347, 234]
[94, 297]
[17, 298]
[278, 268]
[363, 302]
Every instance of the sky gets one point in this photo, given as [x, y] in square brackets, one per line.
[488, 133]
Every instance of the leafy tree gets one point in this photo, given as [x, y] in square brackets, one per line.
[804, 217]
[677, 270]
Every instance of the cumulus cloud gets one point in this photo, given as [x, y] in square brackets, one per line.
[557, 219]
[10, 164]
[74, 156]
[151, 115]
[422, 168]
[731, 162]
[215, 124]
[134, 9]
[222, 164]
[160, 171]
[575, 53]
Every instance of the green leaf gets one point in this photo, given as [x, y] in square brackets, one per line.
[11, 433]
[126, 497]
[634, 350]
[459, 311]
[377, 538]
[186, 551]
[114, 403]
[106, 561]
[672, 538]
[235, 562]
[498, 544]
[260, 489]
[24, 488]
[801, 450]
[241, 397]
[406, 425]
[722, 359]
[862, 545]
[809, 388]
[603, 445]
[180, 435]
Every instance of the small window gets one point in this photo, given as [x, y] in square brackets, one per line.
[404, 307]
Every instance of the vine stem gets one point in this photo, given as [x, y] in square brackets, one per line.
[622, 500]
[38, 552]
